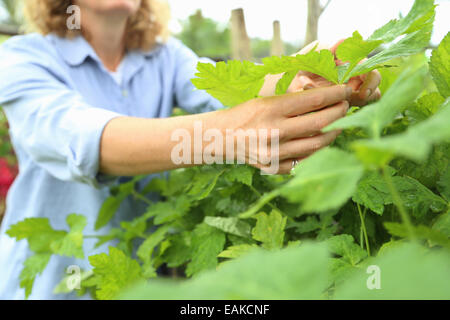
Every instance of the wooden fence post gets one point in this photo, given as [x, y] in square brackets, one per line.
[240, 41]
[277, 48]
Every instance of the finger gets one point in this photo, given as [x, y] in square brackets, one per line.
[313, 123]
[283, 167]
[375, 96]
[303, 147]
[300, 82]
[370, 84]
[293, 104]
[357, 101]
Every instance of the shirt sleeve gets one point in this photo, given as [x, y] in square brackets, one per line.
[49, 121]
[187, 96]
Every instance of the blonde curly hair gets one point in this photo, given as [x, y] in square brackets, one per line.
[149, 24]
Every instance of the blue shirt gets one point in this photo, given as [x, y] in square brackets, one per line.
[58, 97]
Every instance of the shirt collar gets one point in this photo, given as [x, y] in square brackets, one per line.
[75, 51]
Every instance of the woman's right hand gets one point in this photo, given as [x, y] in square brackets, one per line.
[299, 117]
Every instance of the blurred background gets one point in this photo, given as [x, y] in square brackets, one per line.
[244, 29]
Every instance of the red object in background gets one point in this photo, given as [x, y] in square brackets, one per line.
[7, 176]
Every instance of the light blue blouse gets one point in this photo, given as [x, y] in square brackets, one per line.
[58, 97]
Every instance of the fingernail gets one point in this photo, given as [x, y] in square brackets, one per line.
[307, 87]
[368, 93]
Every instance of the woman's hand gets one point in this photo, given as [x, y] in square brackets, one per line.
[299, 117]
[365, 87]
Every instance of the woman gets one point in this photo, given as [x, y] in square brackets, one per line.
[87, 106]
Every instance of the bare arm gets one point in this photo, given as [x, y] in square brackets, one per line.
[132, 146]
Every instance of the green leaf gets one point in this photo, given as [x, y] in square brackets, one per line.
[33, 266]
[419, 15]
[233, 252]
[355, 49]
[285, 81]
[240, 173]
[440, 66]
[421, 232]
[292, 273]
[207, 243]
[372, 192]
[411, 44]
[113, 272]
[415, 144]
[269, 229]
[179, 251]
[406, 272]
[375, 117]
[231, 83]
[108, 210]
[444, 184]
[418, 198]
[145, 250]
[442, 224]
[321, 63]
[72, 243]
[165, 212]
[344, 246]
[324, 181]
[425, 107]
[38, 232]
[230, 225]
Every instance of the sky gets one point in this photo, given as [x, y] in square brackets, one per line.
[340, 19]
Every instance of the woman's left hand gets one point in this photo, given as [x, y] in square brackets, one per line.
[365, 87]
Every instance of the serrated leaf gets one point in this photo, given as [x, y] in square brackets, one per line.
[233, 252]
[165, 212]
[33, 266]
[440, 66]
[416, 143]
[72, 243]
[421, 232]
[324, 181]
[318, 62]
[231, 83]
[425, 107]
[240, 173]
[419, 15]
[269, 229]
[345, 246]
[229, 225]
[145, 250]
[207, 243]
[114, 272]
[411, 44]
[355, 49]
[375, 117]
[179, 251]
[372, 192]
[38, 232]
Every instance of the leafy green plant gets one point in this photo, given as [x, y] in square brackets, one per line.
[379, 196]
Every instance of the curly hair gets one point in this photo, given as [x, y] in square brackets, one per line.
[149, 24]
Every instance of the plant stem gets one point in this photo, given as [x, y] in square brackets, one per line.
[363, 228]
[270, 204]
[139, 196]
[399, 204]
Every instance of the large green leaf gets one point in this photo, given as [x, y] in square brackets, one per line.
[207, 242]
[440, 66]
[406, 272]
[375, 117]
[292, 273]
[324, 181]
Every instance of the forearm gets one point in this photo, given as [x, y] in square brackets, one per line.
[132, 146]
